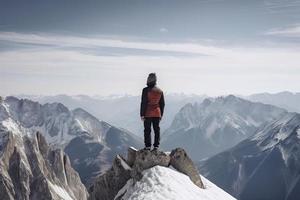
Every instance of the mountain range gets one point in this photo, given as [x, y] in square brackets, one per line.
[90, 143]
[216, 124]
[287, 100]
[264, 166]
[120, 111]
[249, 149]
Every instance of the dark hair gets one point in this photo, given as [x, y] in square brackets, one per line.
[151, 80]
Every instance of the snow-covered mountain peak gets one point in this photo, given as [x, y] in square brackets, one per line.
[68, 130]
[216, 124]
[162, 183]
[278, 131]
[264, 166]
[223, 108]
[148, 175]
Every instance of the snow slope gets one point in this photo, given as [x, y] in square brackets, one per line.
[162, 183]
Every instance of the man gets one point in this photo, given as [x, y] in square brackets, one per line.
[152, 109]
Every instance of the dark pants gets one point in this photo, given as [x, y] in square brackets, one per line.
[147, 131]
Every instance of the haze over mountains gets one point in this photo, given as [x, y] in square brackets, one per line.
[123, 110]
[287, 100]
[120, 111]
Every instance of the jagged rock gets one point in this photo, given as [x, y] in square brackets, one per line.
[30, 170]
[131, 155]
[68, 129]
[182, 163]
[107, 186]
[145, 159]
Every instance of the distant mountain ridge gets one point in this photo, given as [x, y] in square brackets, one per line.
[287, 100]
[217, 124]
[119, 110]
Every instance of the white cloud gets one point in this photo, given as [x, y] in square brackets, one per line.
[227, 70]
[163, 30]
[291, 31]
[72, 41]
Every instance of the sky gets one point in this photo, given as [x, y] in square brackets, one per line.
[96, 47]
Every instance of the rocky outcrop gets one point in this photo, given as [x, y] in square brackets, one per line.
[182, 163]
[29, 169]
[145, 159]
[107, 186]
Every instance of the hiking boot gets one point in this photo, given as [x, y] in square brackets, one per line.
[155, 149]
[147, 148]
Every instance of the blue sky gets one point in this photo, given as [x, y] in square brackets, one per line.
[108, 47]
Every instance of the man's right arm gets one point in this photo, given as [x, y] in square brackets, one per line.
[143, 103]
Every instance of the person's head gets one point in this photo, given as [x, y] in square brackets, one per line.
[151, 80]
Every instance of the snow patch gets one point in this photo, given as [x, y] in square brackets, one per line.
[281, 135]
[251, 121]
[11, 126]
[80, 124]
[298, 133]
[285, 155]
[211, 129]
[162, 183]
[62, 193]
[6, 106]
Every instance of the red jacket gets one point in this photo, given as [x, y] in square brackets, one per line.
[153, 103]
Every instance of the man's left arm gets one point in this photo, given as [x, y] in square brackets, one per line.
[162, 104]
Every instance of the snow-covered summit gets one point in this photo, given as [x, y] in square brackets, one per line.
[229, 110]
[162, 183]
[147, 175]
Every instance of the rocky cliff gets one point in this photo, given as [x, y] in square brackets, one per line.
[29, 169]
[108, 185]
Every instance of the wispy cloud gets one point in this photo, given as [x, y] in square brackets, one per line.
[291, 31]
[282, 7]
[163, 30]
[98, 42]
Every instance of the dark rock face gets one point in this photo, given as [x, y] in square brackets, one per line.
[108, 185]
[30, 170]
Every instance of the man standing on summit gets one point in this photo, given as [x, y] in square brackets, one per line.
[152, 109]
